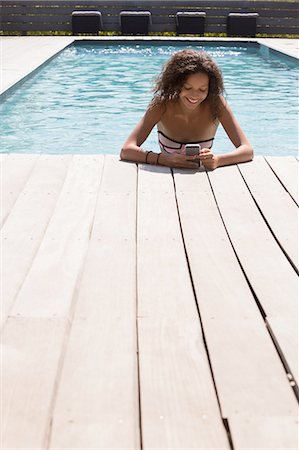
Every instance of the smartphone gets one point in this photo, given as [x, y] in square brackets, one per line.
[192, 149]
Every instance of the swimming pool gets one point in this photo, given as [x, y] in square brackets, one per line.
[88, 98]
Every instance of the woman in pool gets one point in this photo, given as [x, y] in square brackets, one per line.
[187, 107]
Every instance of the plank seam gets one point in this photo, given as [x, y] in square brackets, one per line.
[23, 187]
[137, 315]
[224, 419]
[36, 251]
[269, 226]
[48, 428]
[68, 328]
[281, 182]
[259, 305]
[289, 373]
[262, 311]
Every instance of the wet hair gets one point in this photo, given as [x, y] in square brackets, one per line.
[178, 68]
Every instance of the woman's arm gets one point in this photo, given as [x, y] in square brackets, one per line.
[132, 150]
[243, 151]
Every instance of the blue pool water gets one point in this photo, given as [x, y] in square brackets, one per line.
[88, 99]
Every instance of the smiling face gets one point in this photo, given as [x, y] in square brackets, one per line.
[195, 90]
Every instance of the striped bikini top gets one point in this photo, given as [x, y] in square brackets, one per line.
[170, 146]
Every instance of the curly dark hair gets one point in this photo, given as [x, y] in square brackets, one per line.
[179, 67]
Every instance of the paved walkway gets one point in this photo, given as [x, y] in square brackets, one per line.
[149, 309]
[23, 54]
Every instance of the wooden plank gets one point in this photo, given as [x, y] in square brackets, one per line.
[104, 413]
[21, 10]
[270, 274]
[48, 3]
[242, 354]
[277, 429]
[15, 174]
[29, 357]
[284, 12]
[3, 159]
[53, 276]
[215, 10]
[279, 21]
[41, 18]
[275, 204]
[288, 350]
[178, 400]
[44, 10]
[25, 227]
[277, 30]
[254, 4]
[286, 169]
[36, 27]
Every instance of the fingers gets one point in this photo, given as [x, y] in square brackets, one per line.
[211, 163]
[181, 161]
[184, 162]
[192, 162]
[205, 154]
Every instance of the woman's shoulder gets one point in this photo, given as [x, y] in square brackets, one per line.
[223, 103]
[157, 110]
[224, 109]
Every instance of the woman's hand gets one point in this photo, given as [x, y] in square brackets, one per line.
[208, 159]
[177, 161]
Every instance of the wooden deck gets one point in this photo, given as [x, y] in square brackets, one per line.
[145, 309]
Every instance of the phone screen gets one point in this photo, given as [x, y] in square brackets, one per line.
[192, 149]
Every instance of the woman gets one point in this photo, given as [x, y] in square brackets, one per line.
[187, 107]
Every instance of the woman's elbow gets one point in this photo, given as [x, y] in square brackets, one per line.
[250, 153]
[123, 154]
[129, 153]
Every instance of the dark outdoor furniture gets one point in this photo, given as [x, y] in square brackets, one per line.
[135, 22]
[86, 22]
[276, 17]
[242, 24]
[190, 22]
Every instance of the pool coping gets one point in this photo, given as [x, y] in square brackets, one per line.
[12, 76]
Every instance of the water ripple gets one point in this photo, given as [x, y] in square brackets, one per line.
[71, 104]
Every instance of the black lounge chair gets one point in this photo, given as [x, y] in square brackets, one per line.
[190, 22]
[242, 24]
[135, 22]
[86, 22]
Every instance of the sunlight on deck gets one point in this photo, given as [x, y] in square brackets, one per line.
[145, 308]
